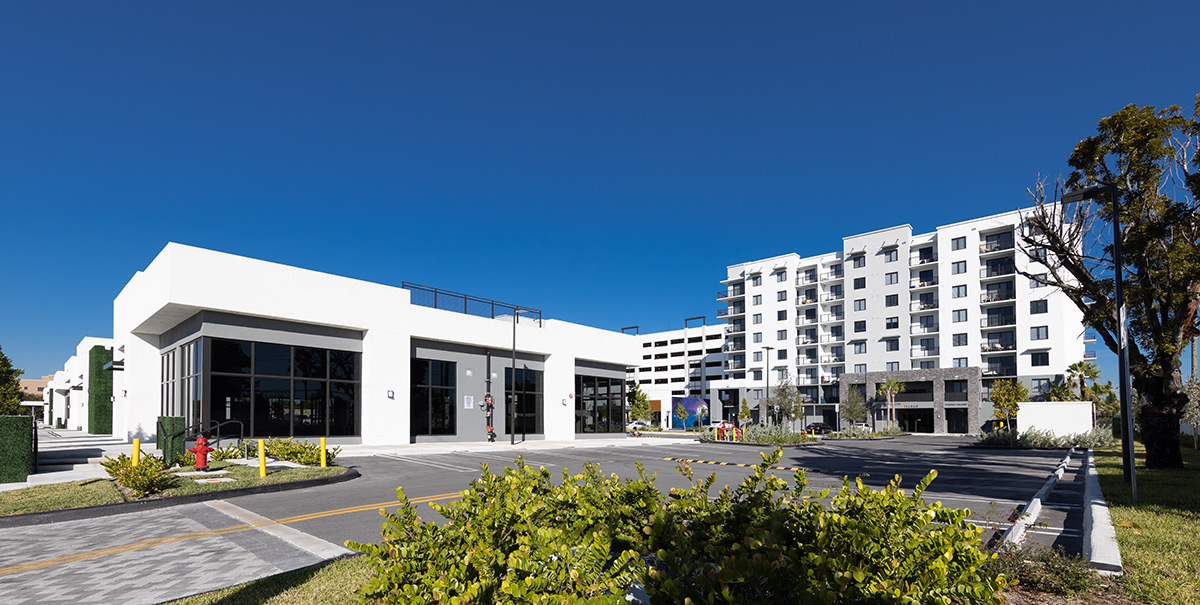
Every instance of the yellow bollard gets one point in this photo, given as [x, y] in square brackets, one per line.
[322, 452]
[137, 451]
[262, 459]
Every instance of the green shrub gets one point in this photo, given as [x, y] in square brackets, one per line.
[1045, 569]
[1095, 438]
[148, 477]
[300, 452]
[763, 435]
[16, 449]
[853, 432]
[519, 537]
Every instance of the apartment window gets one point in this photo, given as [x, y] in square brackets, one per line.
[758, 356]
[860, 368]
[756, 319]
[1041, 358]
[757, 393]
[959, 291]
[781, 295]
[1039, 333]
[891, 300]
[891, 278]
[1041, 386]
[959, 316]
[891, 256]
[959, 362]
[860, 261]
[756, 280]
[959, 340]
[958, 243]
[1037, 306]
[781, 276]
[781, 315]
[893, 366]
[757, 300]
[891, 344]
[860, 304]
[781, 335]
[958, 267]
[757, 337]
[892, 323]
[860, 326]
[860, 348]
[860, 283]
[1040, 254]
[756, 374]
[1039, 280]
[781, 354]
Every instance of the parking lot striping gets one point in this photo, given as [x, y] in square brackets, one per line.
[719, 463]
[438, 465]
[508, 458]
[115, 550]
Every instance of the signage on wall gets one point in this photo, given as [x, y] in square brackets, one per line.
[468, 402]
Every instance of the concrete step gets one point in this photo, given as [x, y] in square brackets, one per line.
[68, 466]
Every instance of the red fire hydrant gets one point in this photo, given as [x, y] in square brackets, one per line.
[201, 450]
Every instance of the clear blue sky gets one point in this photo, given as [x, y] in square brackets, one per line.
[602, 161]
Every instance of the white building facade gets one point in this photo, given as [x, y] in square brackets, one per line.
[680, 363]
[945, 312]
[247, 347]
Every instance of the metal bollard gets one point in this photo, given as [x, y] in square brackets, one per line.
[262, 459]
[322, 452]
[137, 451]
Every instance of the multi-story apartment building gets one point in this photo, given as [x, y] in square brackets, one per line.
[945, 312]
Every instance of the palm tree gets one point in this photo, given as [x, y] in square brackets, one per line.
[889, 388]
[1083, 371]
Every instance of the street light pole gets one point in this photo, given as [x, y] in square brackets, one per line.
[767, 373]
[1127, 453]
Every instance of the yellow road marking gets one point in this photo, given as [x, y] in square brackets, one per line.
[4, 571]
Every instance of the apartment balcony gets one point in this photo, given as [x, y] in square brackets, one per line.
[997, 347]
[990, 247]
[735, 365]
[735, 329]
[803, 301]
[830, 380]
[832, 275]
[918, 283]
[806, 321]
[997, 321]
[731, 311]
[805, 340]
[923, 328]
[731, 347]
[806, 361]
[994, 297]
[833, 338]
[833, 359]
[807, 381]
[829, 296]
[1089, 337]
[828, 317]
[731, 293]
[804, 279]
[1089, 355]
[916, 306]
[997, 271]
[919, 352]
[916, 261]
[999, 371]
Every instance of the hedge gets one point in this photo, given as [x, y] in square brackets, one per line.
[100, 391]
[16, 448]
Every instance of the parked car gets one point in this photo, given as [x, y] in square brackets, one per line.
[819, 428]
[637, 425]
[862, 426]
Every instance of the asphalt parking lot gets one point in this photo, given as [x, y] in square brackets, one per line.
[991, 483]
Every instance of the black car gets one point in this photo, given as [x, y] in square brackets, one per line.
[819, 428]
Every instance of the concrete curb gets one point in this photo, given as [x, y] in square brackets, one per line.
[1100, 546]
[1016, 533]
[744, 444]
[120, 508]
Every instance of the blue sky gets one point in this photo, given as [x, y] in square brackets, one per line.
[602, 161]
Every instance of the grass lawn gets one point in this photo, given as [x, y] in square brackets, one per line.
[1160, 536]
[94, 492]
[58, 496]
[332, 583]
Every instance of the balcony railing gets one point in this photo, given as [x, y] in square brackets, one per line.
[830, 379]
[993, 322]
[923, 328]
[804, 320]
[1089, 354]
[800, 302]
[921, 260]
[735, 365]
[833, 296]
[997, 271]
[806, 361]
[805, 340]
[989, 297]
[953, 396]
[833, 359]
[1089, 337]
[833, 338]
[919, 352]
[722, 312]
[997, 347]
[992, 372]
[805, 278]
[914, 397]
[735, 329]
[730, 293]
[832, 275]
[833, 317]
[806, 381]
[922, 283]
[734, 346]
[923, 305]
[987, 247]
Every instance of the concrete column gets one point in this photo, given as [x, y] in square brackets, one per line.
[939, 405]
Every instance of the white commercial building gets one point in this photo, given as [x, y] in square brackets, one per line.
[247, 347]
[68, 397]
[682, 363]
[945, 312]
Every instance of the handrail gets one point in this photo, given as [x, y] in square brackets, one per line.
[210, 426]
